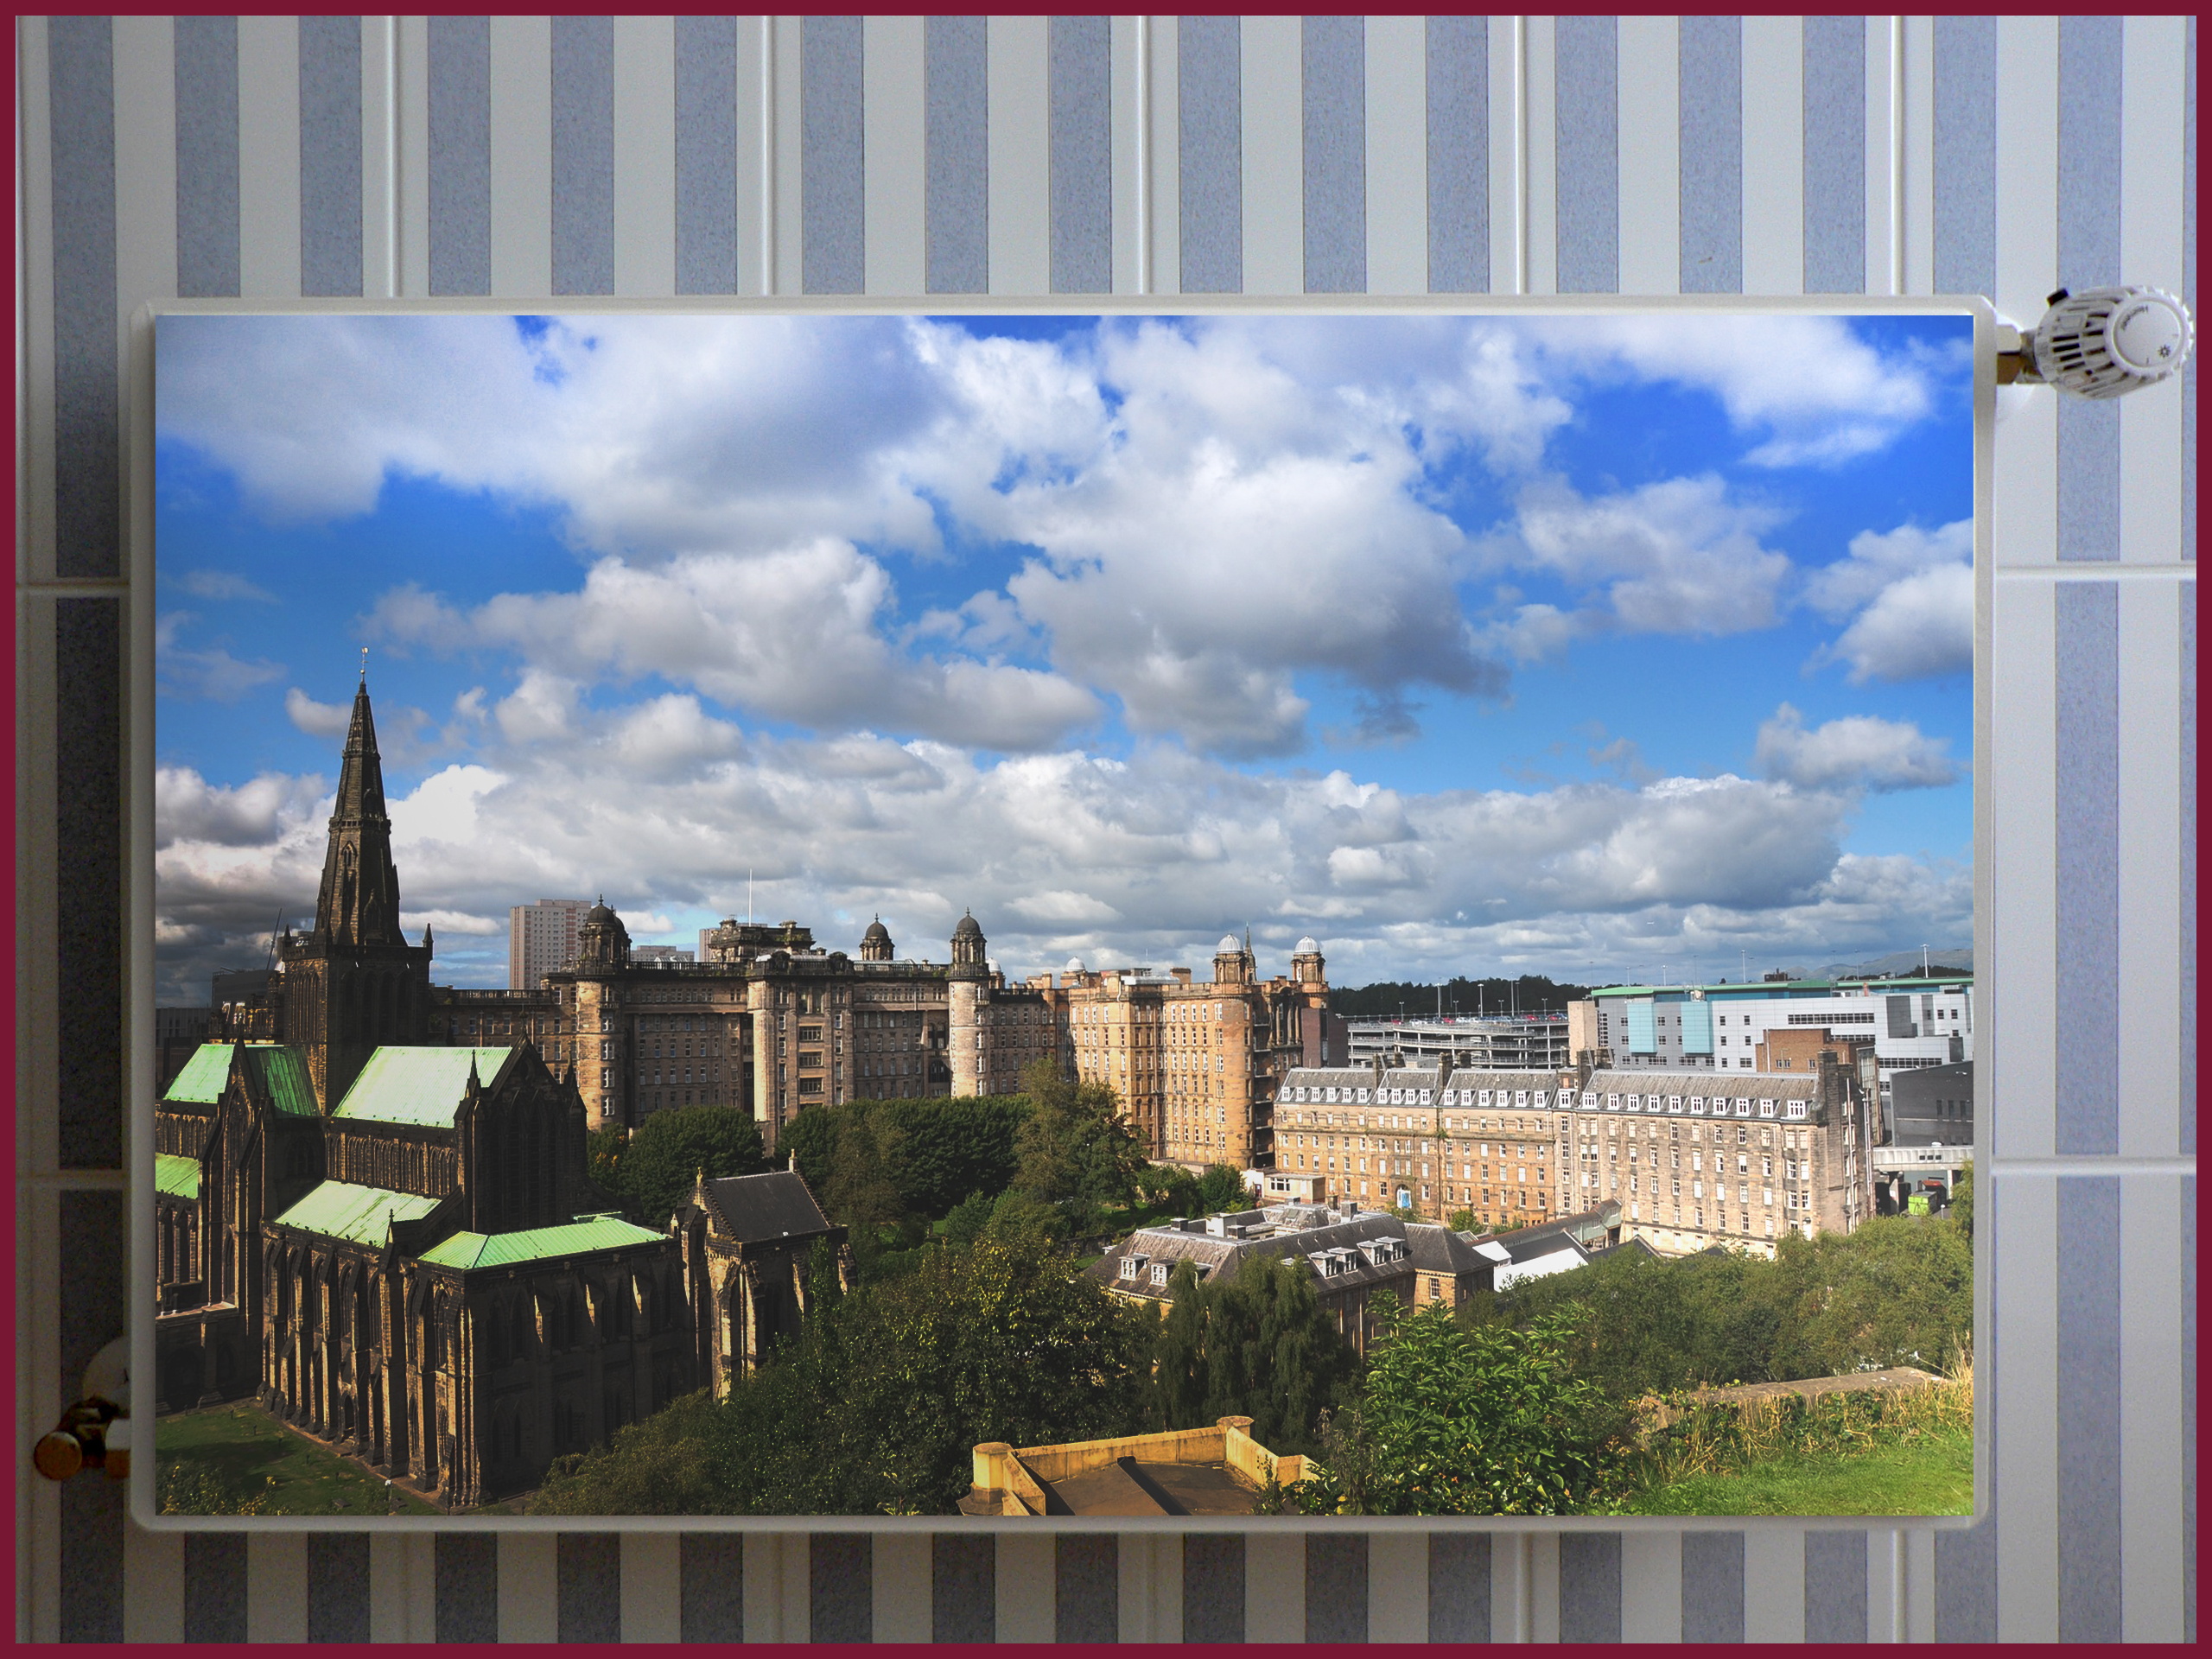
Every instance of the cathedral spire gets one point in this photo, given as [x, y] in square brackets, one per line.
[359, 903]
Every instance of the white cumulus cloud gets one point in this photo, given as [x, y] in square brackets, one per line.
[1856, 752]
[1909, 593]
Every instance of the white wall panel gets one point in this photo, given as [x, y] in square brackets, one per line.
[1774, 156]
[276, 1586]
[892, 65]
[652, 1585]
[268, 157]
[1019, 148]
[899, 1586]
[1274, 165]
[1884, 157]
[1651, 1586]
[644, 158]
[521, 157]
[2020, 1380]
[1026, 1575]
[530, 1591]
[1398, 156]
[1651, 155]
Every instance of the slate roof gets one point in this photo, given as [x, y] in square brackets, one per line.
[753, 1208]
[470, 1251]
[1525, 1242]
[1413, 1078]
[418, 1085]
[1690, 1085]
[361, 1215]
[1439, 1249]
[176, 1175]
[1221, 1255]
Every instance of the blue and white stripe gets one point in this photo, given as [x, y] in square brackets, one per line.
[274, 157]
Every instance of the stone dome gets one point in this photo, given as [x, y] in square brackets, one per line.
[876, 929]
[968, 928]
[1075, 965]
[599, 911]
[1308, 946]
[1228, 946]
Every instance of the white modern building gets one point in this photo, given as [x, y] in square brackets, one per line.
[1911, 1022]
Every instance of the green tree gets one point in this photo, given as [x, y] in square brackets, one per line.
[1897, 1291]
[1016, 1218]
[878, 1407]
[1963, 1201]
[965, 1224]
[1222, 1188]
[1257, 1346]
[1463, 1220]
[666, 1153]
[857, 1190]
[1896, 1288]
[1074, 1144]
[1458, 1422]
[947, 1149]
[603, 1150]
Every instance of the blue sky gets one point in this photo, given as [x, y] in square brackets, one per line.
[1564, 645]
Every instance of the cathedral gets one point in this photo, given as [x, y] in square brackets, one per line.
[394, 1243]
[372, 1200]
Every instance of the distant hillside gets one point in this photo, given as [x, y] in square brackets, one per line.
[1900, 965]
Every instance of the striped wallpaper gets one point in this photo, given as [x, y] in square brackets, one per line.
[274, 156]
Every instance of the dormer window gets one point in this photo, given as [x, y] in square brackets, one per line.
[1160, 1273]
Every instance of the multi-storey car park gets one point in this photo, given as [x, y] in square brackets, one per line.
[1518, 1042]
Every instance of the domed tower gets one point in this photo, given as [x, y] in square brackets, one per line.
[967, 989]
[602, 941]
[876, 943]
[1232, 962]
[1307, 966]
[602, 952]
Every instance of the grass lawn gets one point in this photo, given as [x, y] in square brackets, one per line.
[244, 1453]
[1929, 1474]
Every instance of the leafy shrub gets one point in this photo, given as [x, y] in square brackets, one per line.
[1460, 1420]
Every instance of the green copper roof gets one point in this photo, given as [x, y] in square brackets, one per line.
[417, 1086]
[282, 1073]
[204, 1075]
[175, 1175]
[468, 1250]
[362, 1214]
